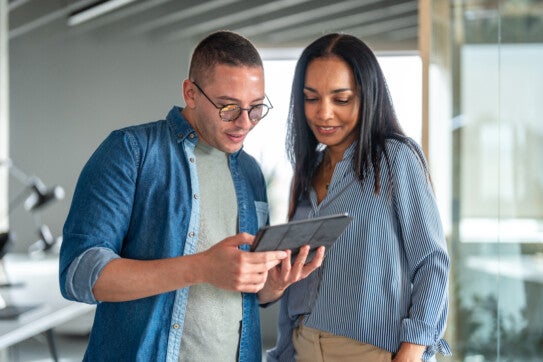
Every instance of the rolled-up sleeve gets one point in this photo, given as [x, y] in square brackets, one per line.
[84, 271]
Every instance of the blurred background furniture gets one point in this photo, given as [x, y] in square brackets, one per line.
[35, 286]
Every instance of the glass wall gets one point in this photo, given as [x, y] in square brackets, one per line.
[495, 52]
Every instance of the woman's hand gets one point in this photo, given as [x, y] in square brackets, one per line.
[287, 273]
[409, 352]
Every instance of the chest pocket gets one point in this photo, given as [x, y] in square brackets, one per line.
[262, 213]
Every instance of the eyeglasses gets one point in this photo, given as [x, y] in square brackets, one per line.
[231, 112]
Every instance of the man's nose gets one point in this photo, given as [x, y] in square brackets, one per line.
[243, 121]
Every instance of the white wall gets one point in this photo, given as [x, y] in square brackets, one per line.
[4, 113]
[68, 91]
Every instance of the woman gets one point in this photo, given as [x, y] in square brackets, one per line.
[381, 293]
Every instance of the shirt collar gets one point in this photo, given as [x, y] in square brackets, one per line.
[182, 128]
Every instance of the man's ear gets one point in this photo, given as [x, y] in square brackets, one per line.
[189, 91]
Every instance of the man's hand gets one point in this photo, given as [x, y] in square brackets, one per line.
[281, 276]
[226, 266]
[223, 265]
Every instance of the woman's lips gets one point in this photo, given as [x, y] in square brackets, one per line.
[326, 130]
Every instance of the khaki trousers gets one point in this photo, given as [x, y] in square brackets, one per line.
[313, 345]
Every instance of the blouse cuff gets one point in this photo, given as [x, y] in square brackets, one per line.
[441, 347]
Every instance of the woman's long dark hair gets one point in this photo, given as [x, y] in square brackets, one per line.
[377, 120]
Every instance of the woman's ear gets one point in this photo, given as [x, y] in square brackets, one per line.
[189, 90]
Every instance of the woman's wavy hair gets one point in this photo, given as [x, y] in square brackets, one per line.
[377, 119]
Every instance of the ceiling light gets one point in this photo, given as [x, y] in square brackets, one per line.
[94, 10]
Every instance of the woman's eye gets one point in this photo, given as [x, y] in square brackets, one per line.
[342, 101]
[309, 100]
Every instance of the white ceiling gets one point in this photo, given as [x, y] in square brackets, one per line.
[384, 25]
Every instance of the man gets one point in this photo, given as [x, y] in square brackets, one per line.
[162, 218]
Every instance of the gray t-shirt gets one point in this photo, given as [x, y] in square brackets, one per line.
[212, 320]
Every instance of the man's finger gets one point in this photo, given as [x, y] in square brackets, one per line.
[316, 262]
[266, 256]
[302, 256]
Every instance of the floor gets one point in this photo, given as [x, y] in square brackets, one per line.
[71, 340]
[70, 348]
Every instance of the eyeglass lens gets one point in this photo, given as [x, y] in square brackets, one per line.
[231, 112]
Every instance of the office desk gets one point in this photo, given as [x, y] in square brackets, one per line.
[39, 286]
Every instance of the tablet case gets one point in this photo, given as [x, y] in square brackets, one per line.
[318, 231]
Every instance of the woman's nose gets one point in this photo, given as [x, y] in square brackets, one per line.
[325, 110]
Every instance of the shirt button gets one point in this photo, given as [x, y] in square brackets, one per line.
[191, 135]
[191, 159]
[191, 234]
[180, 135]
[176, 326]
[196, 196]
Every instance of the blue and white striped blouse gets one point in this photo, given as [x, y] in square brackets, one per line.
[386, 278]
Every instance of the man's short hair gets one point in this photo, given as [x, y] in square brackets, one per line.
[222, 47]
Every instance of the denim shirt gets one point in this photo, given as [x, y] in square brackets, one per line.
[138, 197]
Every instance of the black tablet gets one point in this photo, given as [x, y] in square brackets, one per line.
[320, 231]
